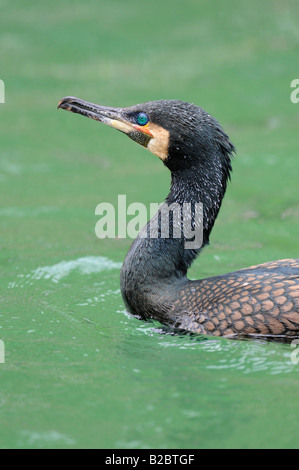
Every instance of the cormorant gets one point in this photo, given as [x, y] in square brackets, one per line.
[259, 300]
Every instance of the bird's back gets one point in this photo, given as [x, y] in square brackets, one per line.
[259, 300]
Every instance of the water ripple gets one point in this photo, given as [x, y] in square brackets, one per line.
[247, 356]
[85, 265]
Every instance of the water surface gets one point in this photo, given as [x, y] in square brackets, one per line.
[79, 371]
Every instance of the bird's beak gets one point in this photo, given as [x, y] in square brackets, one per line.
[151, 136]
[113, 117]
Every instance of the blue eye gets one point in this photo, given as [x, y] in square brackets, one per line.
[142, 119]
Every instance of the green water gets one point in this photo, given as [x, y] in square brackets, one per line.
[78, 371]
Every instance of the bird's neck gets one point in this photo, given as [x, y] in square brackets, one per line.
[198, 188]
[154, 263]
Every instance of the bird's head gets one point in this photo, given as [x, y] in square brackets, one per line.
[182, 135]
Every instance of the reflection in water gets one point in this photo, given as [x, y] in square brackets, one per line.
[251, 355]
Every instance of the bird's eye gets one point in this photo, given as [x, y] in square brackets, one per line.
[142, 119]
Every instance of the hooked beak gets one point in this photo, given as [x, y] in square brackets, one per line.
[151, 136]
[113, 117]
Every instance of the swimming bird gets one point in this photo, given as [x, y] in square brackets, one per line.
[259, 300]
